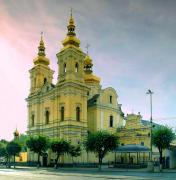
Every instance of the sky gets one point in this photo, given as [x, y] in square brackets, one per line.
[132, 44]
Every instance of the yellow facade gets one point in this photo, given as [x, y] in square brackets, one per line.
[134, 132]
[76, 104]
[22, 158]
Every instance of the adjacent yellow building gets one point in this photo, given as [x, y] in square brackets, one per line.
[76, 104]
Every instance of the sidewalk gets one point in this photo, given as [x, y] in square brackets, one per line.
[87, 170]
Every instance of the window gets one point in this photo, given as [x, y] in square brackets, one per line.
[62, 113]
[32, 120]
[65, 69]
[45, 80]
[78, 113]
[142, 143]
[47, 117]
[76, 67]
[111, 121]
[110, 99]
[35, 81]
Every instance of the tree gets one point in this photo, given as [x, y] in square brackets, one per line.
[3, 152]
[74, 151]
[59, 147]
[22, 141]
[13, 149]
[161, 138]
[39, 145]
[101, 142]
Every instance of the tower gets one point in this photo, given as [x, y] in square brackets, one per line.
[41, 72]
[16, 134]
[91, 80]
[72, 88]
[71, 57]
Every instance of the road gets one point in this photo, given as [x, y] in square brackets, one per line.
[50, 174]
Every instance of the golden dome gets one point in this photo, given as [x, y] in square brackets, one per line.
[88, 60]
[88, 64]
[16, 133]
[41, 59]
[90, 78]
[71, 38]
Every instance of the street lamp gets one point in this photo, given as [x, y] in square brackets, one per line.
[151, 121]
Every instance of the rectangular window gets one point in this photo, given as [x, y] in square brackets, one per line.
[111, 121]
[47, 114]
[62, 113]
[32, 120]
[77, 113]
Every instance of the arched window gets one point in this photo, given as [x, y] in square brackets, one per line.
[78, 113]
[111, 121]
[65, 68]
[47, 117]
[76, 67]
[110, 99]
[62, 113]
[32, 120]
[45, 80]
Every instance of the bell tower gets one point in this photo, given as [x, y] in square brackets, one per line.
[71, 86]
[41, 72]
[71, 57]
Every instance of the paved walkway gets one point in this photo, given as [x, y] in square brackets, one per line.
[83, 174]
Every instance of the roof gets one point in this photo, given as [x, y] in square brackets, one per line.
[147, 123]
[131, 148]
[93, 100]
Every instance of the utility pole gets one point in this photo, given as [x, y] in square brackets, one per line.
[151, 121]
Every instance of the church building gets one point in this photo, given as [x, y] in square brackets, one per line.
[77, 104]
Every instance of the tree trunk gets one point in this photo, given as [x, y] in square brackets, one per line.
[72, 161]
[7, 162]
[56, 161]
[9, 165]
[14, 162]
[38, 162]
[160, 158]
[100, 162]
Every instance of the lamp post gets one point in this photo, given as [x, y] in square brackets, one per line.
[151, 121]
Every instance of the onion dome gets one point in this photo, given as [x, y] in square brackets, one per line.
[88, 64]
[41, 59]
[16, 133]
[89, 77]
[71, 38]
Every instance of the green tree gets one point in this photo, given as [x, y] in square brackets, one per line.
[101, 142]
[59, 147]
[13, 149]
[39, 145]
[74, 151]
[22, 141]
[161, 138]
[3, 152]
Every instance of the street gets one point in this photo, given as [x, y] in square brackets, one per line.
[60, 174]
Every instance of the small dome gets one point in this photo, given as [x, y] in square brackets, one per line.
[41, 60]
[71, 21]
[16, 133]
[91, 78]
[88, 60]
